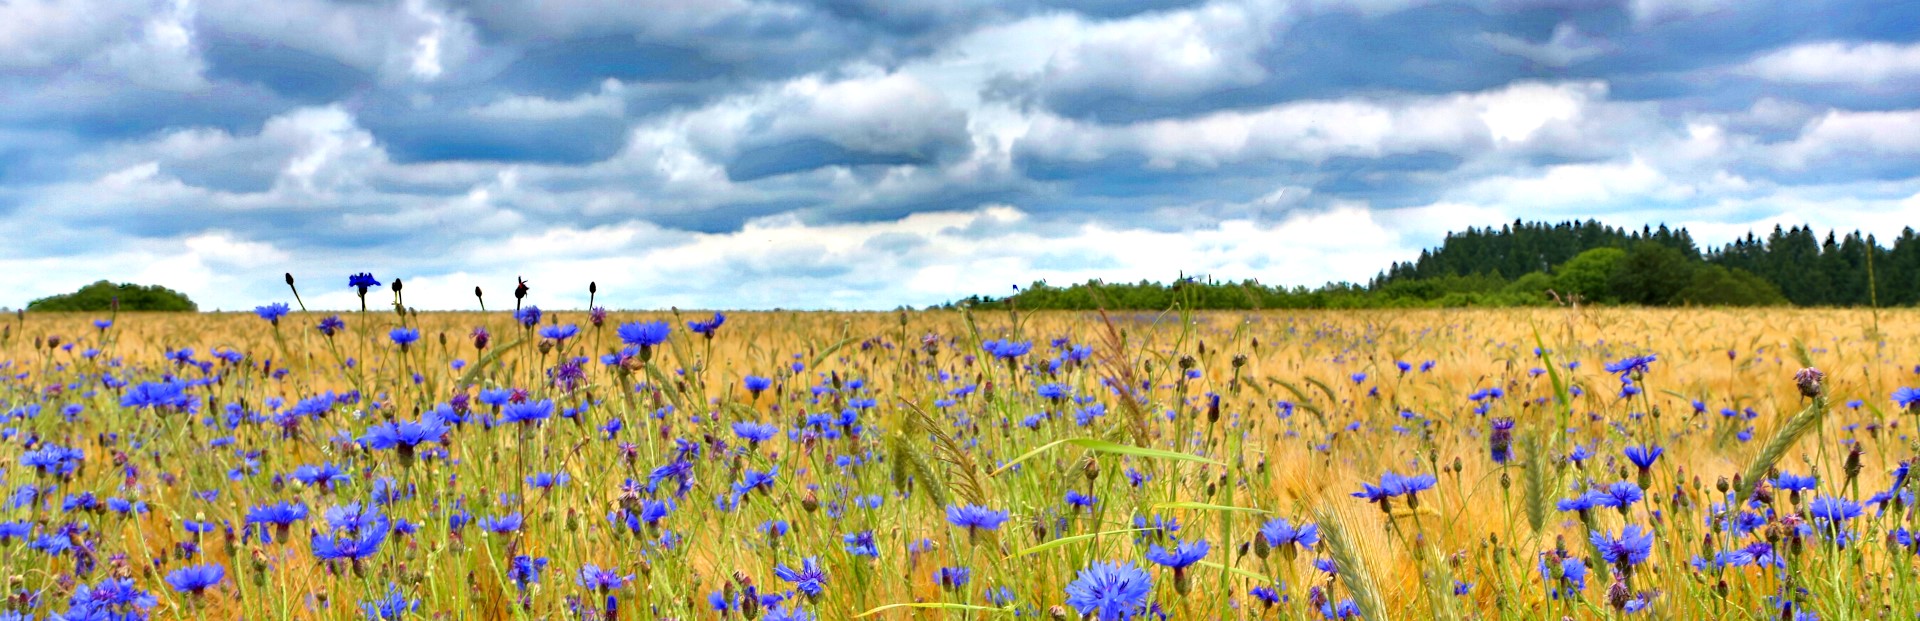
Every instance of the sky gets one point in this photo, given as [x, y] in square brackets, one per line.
[868, 154]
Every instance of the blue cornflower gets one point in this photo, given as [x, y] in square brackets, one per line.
[707, 328]
[114, 599]
[1644, 456]
[1630, 365]
[1110, 591]
[15, 530]
[196, 579]
[1500, 441]
[808, 578]
[548, 480]
[1907, 398]
[1791, 482]
[644, 334]
[272, 312]
[524, 570]
[1621, 494]
[1078, 500]
[362, 281]
[1007, 350]
[952, 578]
[975, 517]
[496, 397]
[1833, 509]
[501, 525]
[171, 395]
[861, 544]
[331, 325]
[1282, 534]
[528, 316]
[756, 384]
[53, 459]
[280, 516]
[560, 332]
[324, 475]
[755, 433]
[527, 412]
[751, 480]
[1377, 494]
[679, 471]
[390, 607]
[352, 517]
[781, 612]
[1412, 484]
[1759, 553]
[404, 435]
[1631, 548]
[404, 336]
[1573, 574]
[1581, 503]
[595, 578]
[1180, 556]
[353, 545]
[652, 511]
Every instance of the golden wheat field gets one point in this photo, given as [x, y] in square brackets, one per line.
[1227, 465]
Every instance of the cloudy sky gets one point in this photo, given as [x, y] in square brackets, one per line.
[873, 153]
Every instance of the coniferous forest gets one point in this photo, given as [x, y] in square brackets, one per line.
[1539, 263]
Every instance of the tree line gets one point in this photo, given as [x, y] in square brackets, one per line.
[1539, 263]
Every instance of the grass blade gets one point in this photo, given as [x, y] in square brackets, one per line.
[1065, 541]
[1103, 446]
[1202, 506]
[934, 606]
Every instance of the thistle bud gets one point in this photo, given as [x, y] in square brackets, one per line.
[1852, 467]
[1810, 381]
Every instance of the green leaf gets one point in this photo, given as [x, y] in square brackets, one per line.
[1103, 446]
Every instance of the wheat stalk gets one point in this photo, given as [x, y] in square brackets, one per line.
[1347, 559]
[1783, 439]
